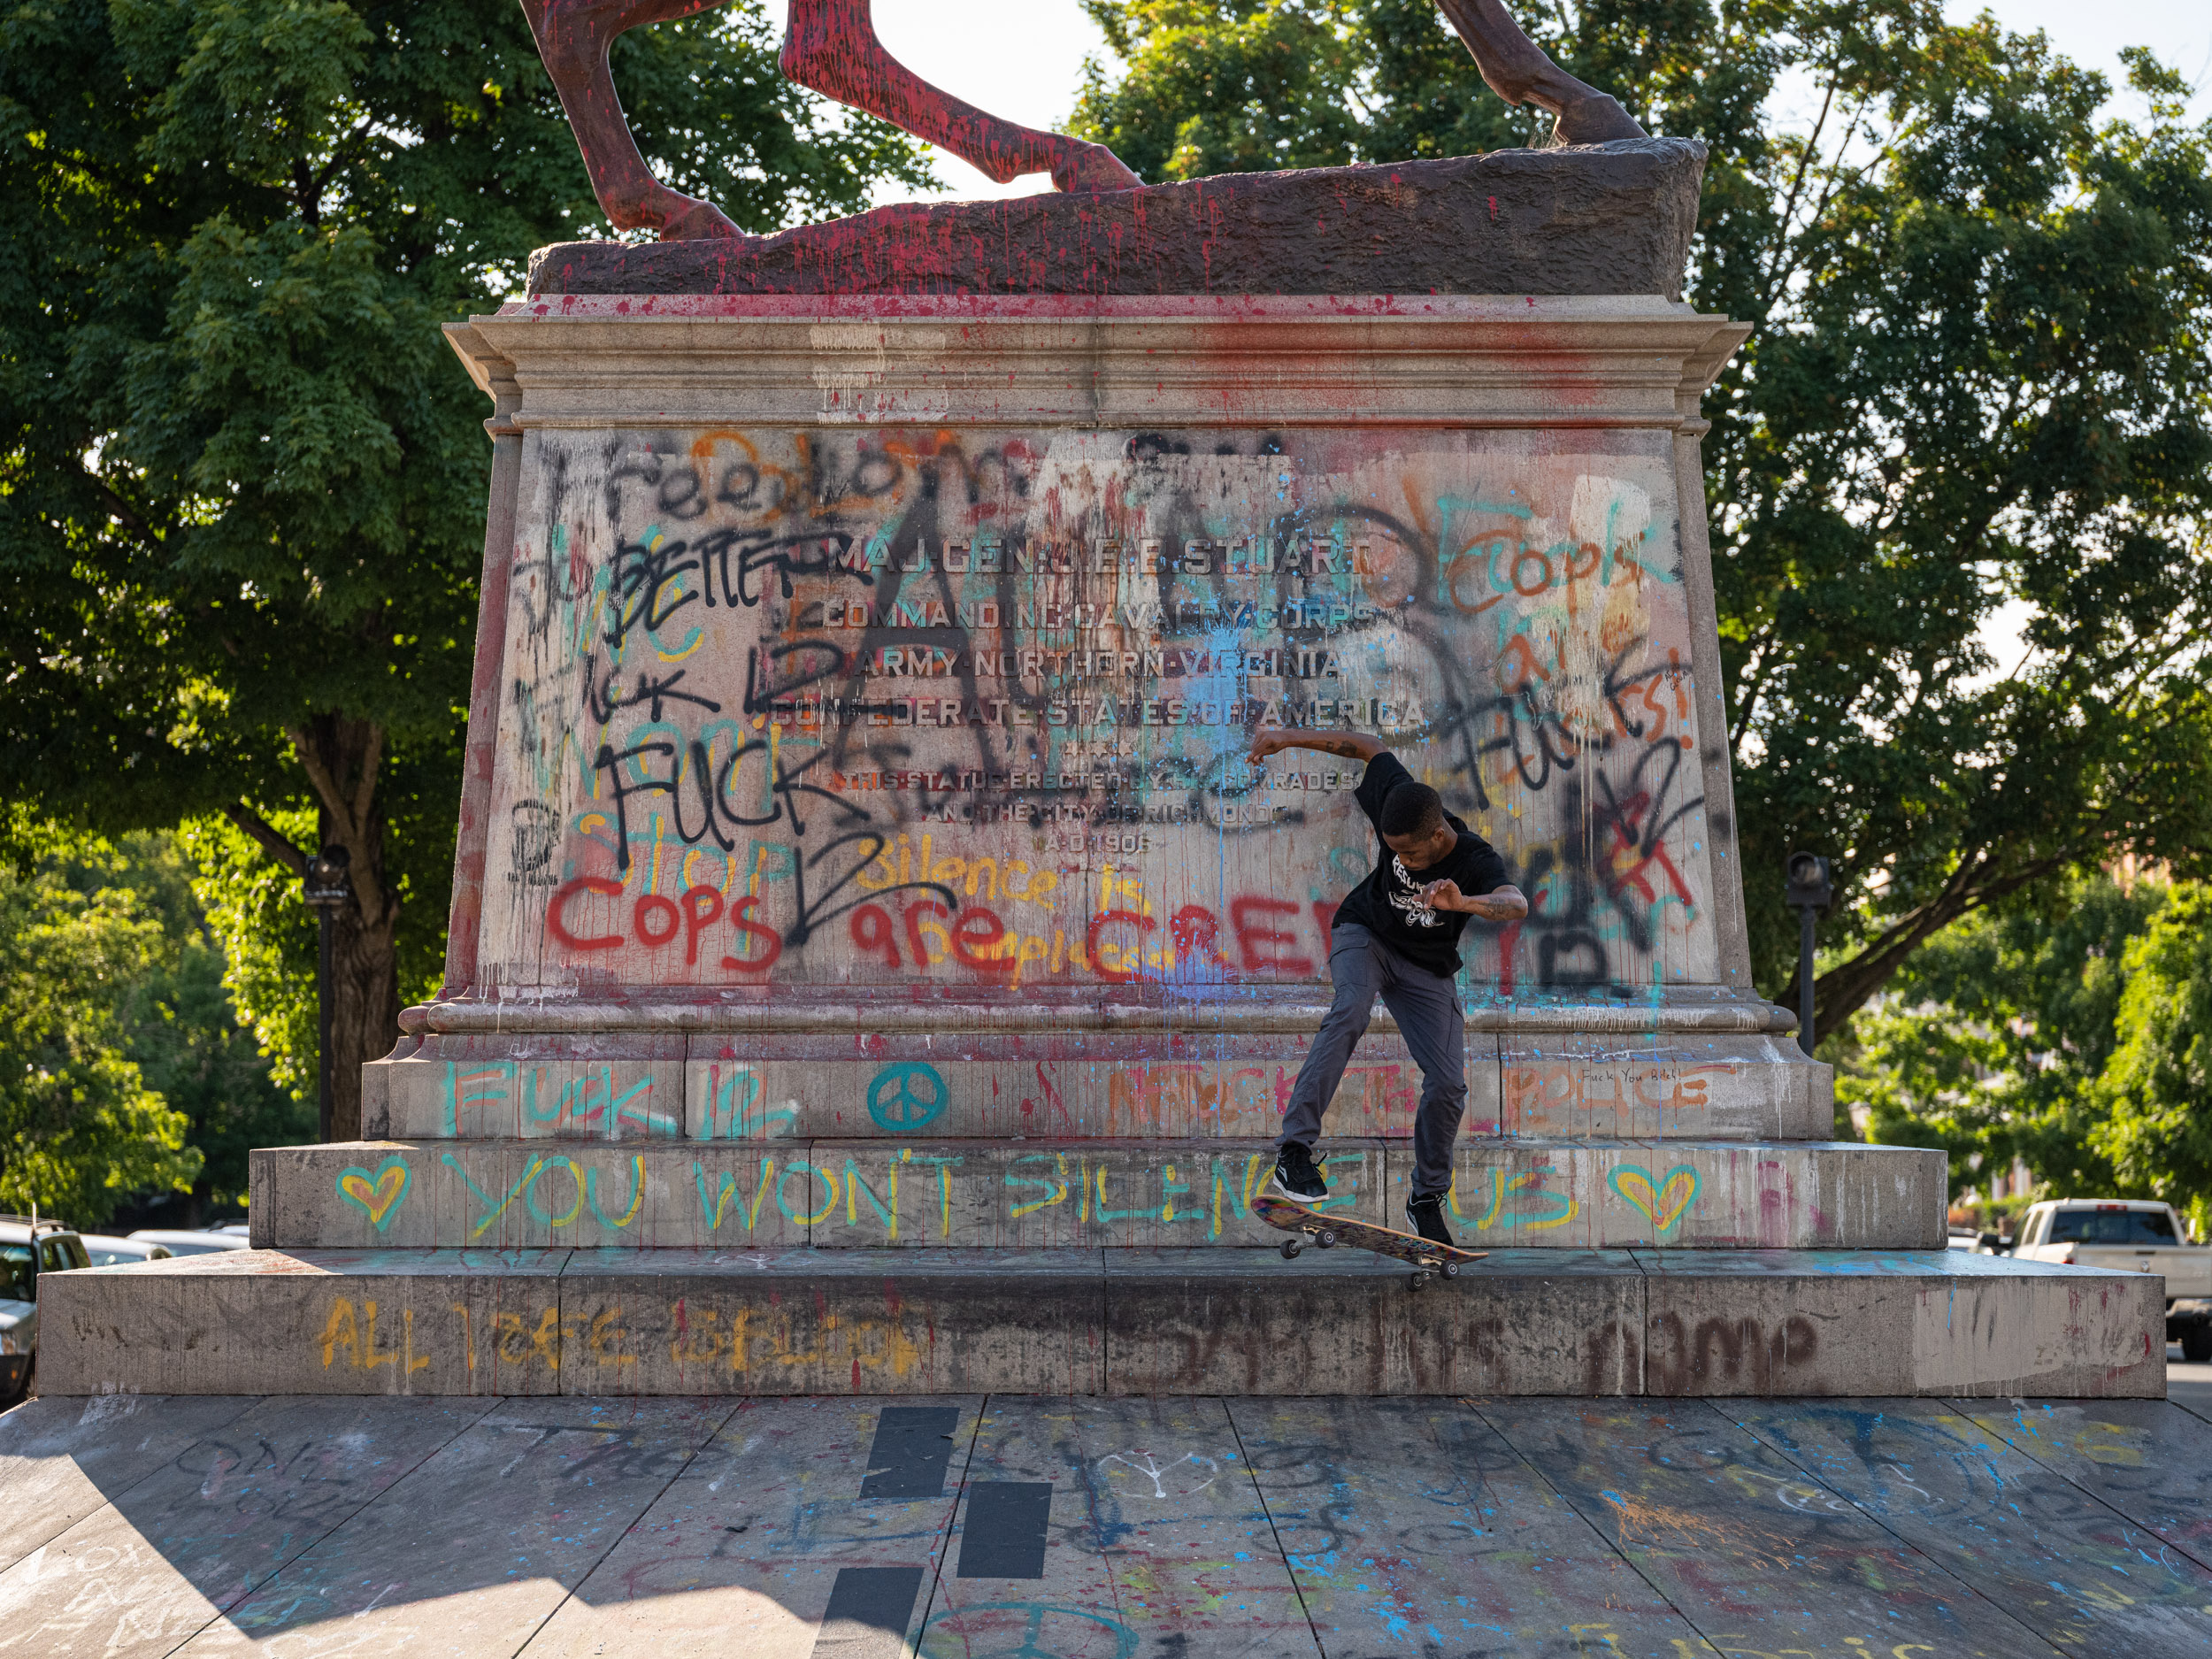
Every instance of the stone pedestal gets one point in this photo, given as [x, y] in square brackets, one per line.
[874, 965]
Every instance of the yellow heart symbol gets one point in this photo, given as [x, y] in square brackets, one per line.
[1660, 1202]
[377, 1192]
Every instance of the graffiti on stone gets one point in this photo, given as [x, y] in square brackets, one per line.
[906, 1096]
[945, 708]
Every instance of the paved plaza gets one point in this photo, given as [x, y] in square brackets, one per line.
[1051, 1527]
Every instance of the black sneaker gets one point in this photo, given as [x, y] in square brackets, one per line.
[1424, 1214]
[1297, 1176]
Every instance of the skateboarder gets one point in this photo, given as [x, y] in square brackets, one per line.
[1396, 936]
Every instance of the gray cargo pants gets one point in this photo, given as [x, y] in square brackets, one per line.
[1428, 1011]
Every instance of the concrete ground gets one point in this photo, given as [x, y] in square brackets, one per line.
[1036, 1527]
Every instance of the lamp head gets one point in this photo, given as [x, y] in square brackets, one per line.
[327, 884]
[1809, 882]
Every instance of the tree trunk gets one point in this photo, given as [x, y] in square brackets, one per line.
[340, 757]
[365, 1008]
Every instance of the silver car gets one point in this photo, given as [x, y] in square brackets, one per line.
[180, 1242]
[109, 1251]
[27, 1249]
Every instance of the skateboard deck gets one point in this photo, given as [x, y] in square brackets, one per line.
[1423, 1255]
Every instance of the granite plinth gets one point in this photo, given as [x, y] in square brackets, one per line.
[1102, 1322]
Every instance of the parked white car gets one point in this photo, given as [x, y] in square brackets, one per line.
[2134, 1235]
[182, 1243]
[27, 1249]
[109, 1251]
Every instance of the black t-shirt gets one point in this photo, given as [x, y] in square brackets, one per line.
[1388, 904]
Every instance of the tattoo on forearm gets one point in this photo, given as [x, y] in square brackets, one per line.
[1349, 745]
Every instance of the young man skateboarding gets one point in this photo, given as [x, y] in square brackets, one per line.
[1396, 936]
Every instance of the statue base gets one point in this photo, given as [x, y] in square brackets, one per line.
[875, 967]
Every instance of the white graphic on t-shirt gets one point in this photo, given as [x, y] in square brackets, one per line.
[1412, 905]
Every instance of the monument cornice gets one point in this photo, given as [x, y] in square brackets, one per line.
[1519, 363]
[1677, 1010]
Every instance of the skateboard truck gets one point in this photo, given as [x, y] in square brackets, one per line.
[1426, 1256]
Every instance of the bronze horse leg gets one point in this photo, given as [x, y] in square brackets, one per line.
[572, 37]
[830, 46]
[1518, 70]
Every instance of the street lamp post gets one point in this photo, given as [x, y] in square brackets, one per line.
[1809, 893]
[324, 889]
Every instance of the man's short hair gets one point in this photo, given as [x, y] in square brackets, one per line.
[1412, 809]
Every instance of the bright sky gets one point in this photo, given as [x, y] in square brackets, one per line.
[1024, 58]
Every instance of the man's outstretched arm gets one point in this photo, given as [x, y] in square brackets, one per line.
[1349, 745]
[1507, 903]
[1504, 904]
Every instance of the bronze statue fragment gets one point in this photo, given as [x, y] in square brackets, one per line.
[830, 47]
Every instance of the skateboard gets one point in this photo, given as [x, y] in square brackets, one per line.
[1425, 1257]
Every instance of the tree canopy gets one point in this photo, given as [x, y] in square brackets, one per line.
[80, 1131]
[1978, 378]
[2153, 1104]
[242, 481]
[1993, 1038]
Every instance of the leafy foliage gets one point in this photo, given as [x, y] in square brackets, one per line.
[180, 1024]
[1985, 380]
[1979, 376]
[2077, 1039]
[241, 481]
[79, 1129]
[2153, 1101]
[1247, 86]
[269, 944]
[1993, 1038]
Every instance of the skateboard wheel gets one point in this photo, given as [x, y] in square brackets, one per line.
[1419, 1279]
[1291, 1247]
[1324, 1239]
[1451, 1269]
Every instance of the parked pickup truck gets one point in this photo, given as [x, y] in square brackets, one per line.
[2134, 1235]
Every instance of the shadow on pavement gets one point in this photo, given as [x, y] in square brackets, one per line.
[1081, 1528]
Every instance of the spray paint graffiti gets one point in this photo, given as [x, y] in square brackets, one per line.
[604, 1100]
[1663, 1201]
[376, 1192]
[1028, 1629]
[794, 707]
[867, 1192]
[906, 1096]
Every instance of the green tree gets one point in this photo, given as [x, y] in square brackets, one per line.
[271, 945]
[1244, 86]
[80, 1130]
[1991, 1039]
[2153, 1100]
[179, 1022]
[1979, 375]
[242, 481]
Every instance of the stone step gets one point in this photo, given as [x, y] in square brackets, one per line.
[1093, 1321]
[1047, 1195]
[953, 1083]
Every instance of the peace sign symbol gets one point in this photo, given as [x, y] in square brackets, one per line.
[906, 1096]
